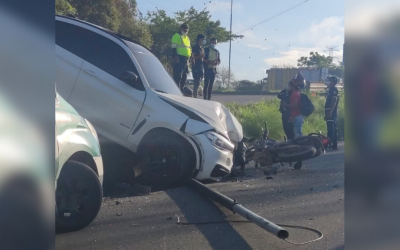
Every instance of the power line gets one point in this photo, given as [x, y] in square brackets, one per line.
[281, 13]
[331, 49]
[151, 3]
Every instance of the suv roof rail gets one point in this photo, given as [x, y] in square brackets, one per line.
[114, 34]
[71, 16]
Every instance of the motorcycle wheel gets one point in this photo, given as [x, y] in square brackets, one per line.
[298, 165]
[297, 153]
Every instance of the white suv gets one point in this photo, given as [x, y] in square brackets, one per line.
[124, 90]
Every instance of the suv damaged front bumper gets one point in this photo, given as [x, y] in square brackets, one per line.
[215, 162]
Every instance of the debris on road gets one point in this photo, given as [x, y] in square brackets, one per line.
[230, 178]
[269, 178]
[119, 214]
[270, 171]
[118, 203]
[179, 217]
[137, 190]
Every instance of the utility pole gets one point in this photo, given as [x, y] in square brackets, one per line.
[230, 47]
[331, 49]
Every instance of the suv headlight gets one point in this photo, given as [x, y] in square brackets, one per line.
[219, 141]
[91, 128]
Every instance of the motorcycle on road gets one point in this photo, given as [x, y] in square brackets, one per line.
[266, 152]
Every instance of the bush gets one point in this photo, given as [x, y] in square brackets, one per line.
[254, 87]
[252, 116]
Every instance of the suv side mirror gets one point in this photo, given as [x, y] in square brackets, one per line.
[131, 79]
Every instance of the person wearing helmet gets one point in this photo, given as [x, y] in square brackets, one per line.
[331, 111]
[284, 96]
[296, 116]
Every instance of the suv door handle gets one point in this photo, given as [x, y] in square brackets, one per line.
[90, 72]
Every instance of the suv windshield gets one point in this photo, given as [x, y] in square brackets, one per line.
[155, 73]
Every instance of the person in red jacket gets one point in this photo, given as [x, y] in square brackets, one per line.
[295, 105]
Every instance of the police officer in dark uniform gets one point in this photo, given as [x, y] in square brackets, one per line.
[197, 67]
[284, 96]
[211, 60]
[331, 111]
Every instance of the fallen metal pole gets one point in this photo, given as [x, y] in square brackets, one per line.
[239, 209]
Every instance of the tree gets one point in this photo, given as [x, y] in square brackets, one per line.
[63, 7]
[320, 61]
[245, 84]
[100, 12]
[337, 70]
[163, 27]
[200, 23]
[131, 26]
[234, 84]
[223, 76]
[116, 15]
[315, 60]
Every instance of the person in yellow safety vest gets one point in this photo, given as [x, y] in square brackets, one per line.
[182, 52]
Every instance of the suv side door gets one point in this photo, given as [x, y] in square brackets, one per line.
[70, 46]
[99, 95]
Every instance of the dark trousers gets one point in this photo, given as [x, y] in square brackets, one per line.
[196, 86]
[209, 78]
[332, 132]
[181, 71]
[198, 74]
[288, 128]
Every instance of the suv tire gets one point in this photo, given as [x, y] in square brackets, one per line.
[78, 197]
[165, 161]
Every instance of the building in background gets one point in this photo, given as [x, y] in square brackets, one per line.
[278, 78]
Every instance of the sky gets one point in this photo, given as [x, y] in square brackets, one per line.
[312, 26]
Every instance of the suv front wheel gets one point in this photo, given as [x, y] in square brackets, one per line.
[166, 160]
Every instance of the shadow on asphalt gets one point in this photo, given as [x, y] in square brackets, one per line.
[338, 248]
[219, 236]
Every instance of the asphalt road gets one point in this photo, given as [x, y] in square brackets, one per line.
[311, 197]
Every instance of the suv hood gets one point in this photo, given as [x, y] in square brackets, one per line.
[214, 113]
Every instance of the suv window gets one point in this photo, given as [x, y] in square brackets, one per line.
[72, 38]
[95, 49]
[109, 56]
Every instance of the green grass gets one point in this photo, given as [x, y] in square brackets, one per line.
[253, 115]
